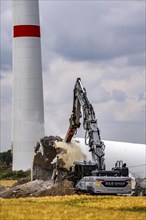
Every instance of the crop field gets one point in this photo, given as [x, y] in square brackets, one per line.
[76, 207]
[7, 182]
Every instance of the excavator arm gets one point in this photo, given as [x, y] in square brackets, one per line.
[92, 134]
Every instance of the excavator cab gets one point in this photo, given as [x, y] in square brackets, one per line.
[121, 168]
[82, 169]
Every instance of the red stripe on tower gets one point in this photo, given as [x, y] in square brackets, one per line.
[26, 31]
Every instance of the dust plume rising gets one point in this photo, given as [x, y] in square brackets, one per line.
[70, 152]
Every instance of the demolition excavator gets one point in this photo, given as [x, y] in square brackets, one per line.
[92, 176]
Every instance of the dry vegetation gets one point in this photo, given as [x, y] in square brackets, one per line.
[74, 207]
[8, 182]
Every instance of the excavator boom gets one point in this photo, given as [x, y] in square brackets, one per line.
[92, 134]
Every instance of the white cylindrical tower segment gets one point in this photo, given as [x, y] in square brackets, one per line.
[28, 106]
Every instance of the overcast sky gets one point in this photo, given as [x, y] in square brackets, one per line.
[103, 43]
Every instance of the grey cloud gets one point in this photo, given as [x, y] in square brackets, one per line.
[100, 95]
[122, 131]
[137, 59]
[6, 59]
[5, 134]
[6, 96]
[6, 36]
[94, 30]
[141, 96]
[5, 89]
[118, 95]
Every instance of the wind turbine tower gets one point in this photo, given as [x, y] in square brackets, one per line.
[28, 105]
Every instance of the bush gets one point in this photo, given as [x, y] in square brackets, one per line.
[13, 175]
[21, 174]
[6, 168]
[6, 158]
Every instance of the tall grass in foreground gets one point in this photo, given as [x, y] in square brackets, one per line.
[74, 207]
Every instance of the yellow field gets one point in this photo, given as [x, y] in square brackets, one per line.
[74, 208]
[7, 182]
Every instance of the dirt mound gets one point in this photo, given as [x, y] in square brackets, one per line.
[60, 189]
[39, 188]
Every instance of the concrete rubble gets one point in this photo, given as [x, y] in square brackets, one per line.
[45, 152]
[38, 188]
[50, 147]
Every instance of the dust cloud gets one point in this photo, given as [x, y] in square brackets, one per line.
[69, 152]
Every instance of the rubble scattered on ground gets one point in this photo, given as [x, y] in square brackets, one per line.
[38, 188]
[22, 181]
[140, 187]
[2, 188]
[59, 189]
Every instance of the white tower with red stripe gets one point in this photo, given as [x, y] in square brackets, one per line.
[28, 106]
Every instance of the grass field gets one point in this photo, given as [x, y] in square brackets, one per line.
[74, 208]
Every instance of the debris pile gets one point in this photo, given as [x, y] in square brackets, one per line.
[2, 188]
[61, 189]
[140, 187]
[46, 151]
[38, 188]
